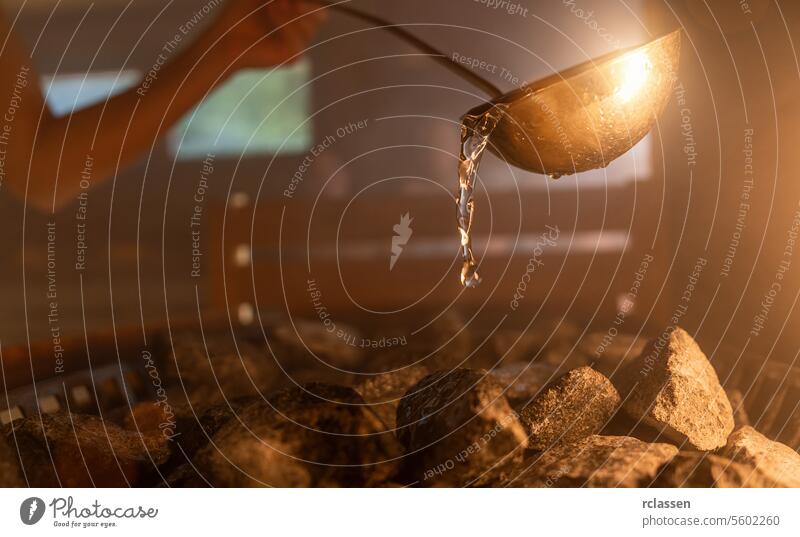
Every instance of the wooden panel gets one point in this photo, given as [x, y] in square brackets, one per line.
[336, 253]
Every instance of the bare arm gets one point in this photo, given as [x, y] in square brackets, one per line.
[46, 155]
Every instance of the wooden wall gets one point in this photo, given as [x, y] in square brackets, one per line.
[139, 243]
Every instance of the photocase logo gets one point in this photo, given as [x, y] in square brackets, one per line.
[402, 233]
[31, 511]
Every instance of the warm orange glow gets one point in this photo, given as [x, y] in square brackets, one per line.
[635, 72]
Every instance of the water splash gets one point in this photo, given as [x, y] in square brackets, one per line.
[475, 132]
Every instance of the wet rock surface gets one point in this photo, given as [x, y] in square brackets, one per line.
[777, 462]
[704, 470]
[317, 436]
[596, 461]
[458, 429]
[673, 387]
[577, 405]
[74, 450]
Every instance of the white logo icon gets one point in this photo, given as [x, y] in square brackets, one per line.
[31, 511]
[402, 233]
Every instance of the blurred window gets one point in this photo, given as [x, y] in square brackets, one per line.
[260, 111]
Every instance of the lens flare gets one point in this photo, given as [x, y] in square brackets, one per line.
[635, 72]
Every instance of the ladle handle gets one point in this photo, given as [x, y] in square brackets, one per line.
[442, 58]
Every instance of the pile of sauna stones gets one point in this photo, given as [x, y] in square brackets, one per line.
[663, 419]
[316, 436]
[658, 417]
[566, 411]
[73, 450]
[204, 372]
[209, 371]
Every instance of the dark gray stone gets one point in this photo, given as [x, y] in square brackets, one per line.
[458, 429]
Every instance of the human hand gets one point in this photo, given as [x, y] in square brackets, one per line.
[263, 33]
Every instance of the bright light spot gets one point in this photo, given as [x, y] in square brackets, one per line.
[246, 314]
[242, 255]
[635, 70]
[240, 200]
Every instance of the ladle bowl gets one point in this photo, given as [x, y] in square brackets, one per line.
[586, 116]
[576, 120]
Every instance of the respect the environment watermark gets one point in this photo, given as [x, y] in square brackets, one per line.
[173, 44]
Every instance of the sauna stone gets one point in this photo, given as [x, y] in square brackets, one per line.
[522, 381]
[205, 375]
[596, 461]
[778, 462]
[695, 469]
[196, 426]
[609, 352]
[150, 418]
[577, 405]
[334, 344]
[543, 341]
[622, 424]
[673, 387]
[458, 429]
[183, 476]
[316, 436]
[318, 373]
[10, 475]
[383, 391]
[74, 450]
